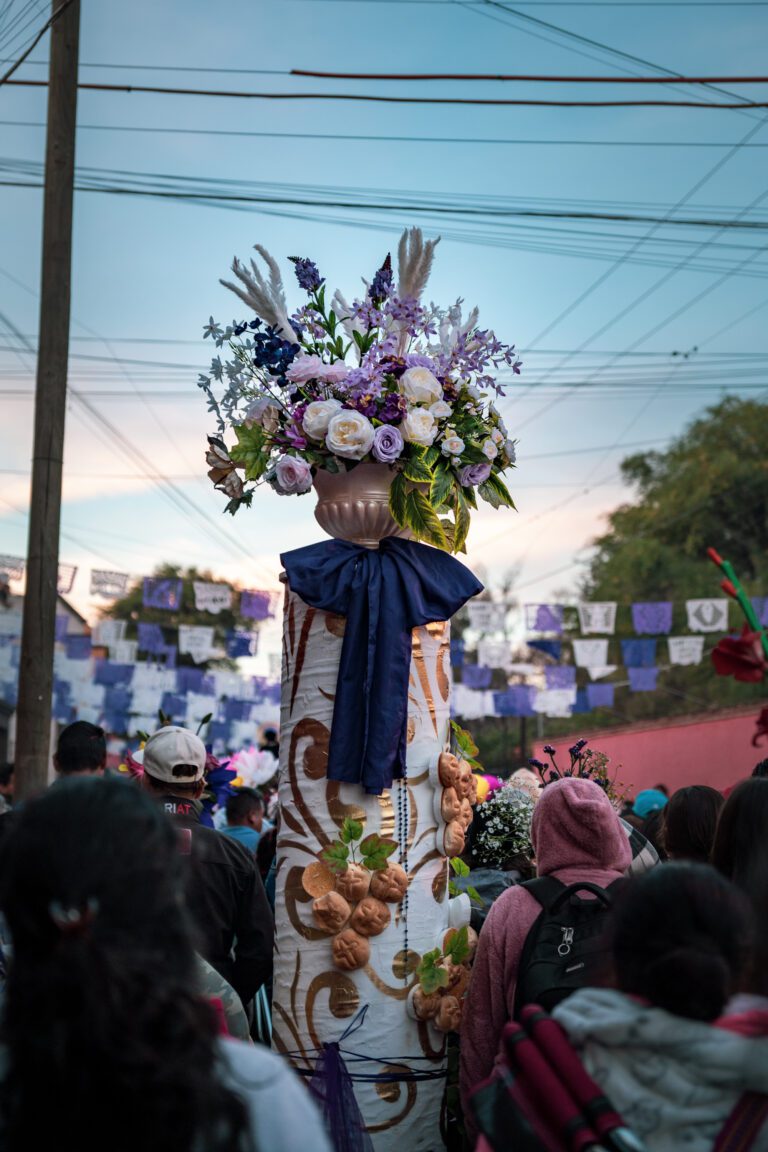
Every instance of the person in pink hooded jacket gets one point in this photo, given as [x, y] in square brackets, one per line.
[577, 836]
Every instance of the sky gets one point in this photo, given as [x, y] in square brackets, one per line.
[627, 328]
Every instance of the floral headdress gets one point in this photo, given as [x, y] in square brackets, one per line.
[586, 764]
[381, 379]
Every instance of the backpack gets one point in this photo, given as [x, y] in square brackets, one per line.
[567, 946]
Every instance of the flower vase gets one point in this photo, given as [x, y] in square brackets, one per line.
[354, 505]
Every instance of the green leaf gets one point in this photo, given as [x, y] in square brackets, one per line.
[397, 494]
[336, 856]
[422, 518]
[474, 895]
[251, 451]
[358, 338]
[351, 830]
[432, 455]
[443, 483]
[458, 949]
[459, 867]
[461, 512]
[464, 741]
[495, 491]
[430, 972]
[415, 468]
[375, 852]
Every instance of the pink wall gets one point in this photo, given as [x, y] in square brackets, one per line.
[713, 750]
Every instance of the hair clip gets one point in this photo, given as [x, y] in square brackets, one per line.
[73, 921]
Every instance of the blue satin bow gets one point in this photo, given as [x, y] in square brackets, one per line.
[384, 594]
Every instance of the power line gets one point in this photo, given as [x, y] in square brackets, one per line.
[571, 142]
[523, 78]
[353, 97]
[27, 51]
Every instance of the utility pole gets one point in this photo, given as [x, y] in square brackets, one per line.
[33, 719]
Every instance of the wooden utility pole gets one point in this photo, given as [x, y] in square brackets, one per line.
[33, 718]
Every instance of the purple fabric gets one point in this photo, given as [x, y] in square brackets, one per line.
[151, 638]
[218, 730]
[457, 653]
[514, 701]
[106, 672]
[560, 676]
[582, 704]
[78, 647]
[162, 593]
[117, 699]
[170, 652]
[638, 653]
[116, 723]
[600, 695]
[642, 679]
[654, 617]
[331, 1086]
[256, 605]
[553, 648]
[544, 617]
[272, 694]
[237, 709]
[239, 644]
[189, 679]
[760, 605]
[476, 676]
[62, 624]
[174, 705]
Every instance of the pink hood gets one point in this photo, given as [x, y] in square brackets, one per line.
[575, 826]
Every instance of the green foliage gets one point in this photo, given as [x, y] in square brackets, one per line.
[458, 949]
[431, 973]
[459, 868]
[251, 450]
[496, 493]
[375, 851]
[465, 745]
[336, 856]
[351, 830]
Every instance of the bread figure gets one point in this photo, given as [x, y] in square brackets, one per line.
[370, 917]
[331, 911]
[390, 884]
[450, 805]
[448, 770]
[453, 839]
[354, 883]
[425, 1007]
[465, 779]
[350, 951]
[465, 813]
[448, 1016]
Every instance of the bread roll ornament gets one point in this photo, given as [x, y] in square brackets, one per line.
[465, 779]
[448, 772]
[350, 951]
[465, 813]
[448, 1016]
[331, 911]
[450, 805]
[453, 839]
[370, 917]
[390, 884]
[354, 883]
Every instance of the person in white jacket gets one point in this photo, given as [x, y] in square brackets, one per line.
[681, 944]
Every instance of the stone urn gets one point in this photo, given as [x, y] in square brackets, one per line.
[354, 505]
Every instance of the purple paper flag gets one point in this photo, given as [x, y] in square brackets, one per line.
[66, 578]
[553, 648]
[514, 701]
[638, 653]
[151, 638]
[654, 617]
[239, 644]
[189, 679]
[476, 676]
[544, 617]
[457, 653]
[256, 605]
[105, 672]
[162, 593]
[642, 679]
[600, 695]
[62, 624]
[581, 704]
[560, 676]
[760, 605]
[78, 647]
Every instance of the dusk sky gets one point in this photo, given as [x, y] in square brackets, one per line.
[596, 307]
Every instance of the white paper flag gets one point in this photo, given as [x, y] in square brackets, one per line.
[199, 706]
[494, 653]
[108, 584]
[554, 702]
[598, 616]
[88, 695]
[124, 651]
[599, 671]
[154, 679]
[707, 615]
[590, 653]
[470, 704]
[196, 641]
[212, 597]
[10, 623]
[146, 701]
[109, 632]
[275, 665]
[685, 649]
[485, 616]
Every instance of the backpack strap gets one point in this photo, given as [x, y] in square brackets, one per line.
[545, 891]
[744, 1124]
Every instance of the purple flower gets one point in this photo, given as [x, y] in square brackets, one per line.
[537, 764]
[550, 751]
[382, 281]
[474, 474]
[307, 273]
[394, 408]
[364, 402]
[387, 443]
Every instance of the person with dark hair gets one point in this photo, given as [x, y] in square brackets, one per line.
[689, 821]
[245, 818]
[7, 779]
[681, 941]
[81, 750]
[270, 742]
[225, 892]
[740, 852]
[106, 1042]
[761, 769]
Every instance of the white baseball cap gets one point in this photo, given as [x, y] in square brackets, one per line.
[174, 755]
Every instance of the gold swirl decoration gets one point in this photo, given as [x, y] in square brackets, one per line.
[314, 764]
[391, 1092]
[301, 652]
[343, 1000]
[404, 964]
[440, 884]
[295, 895]
[433, 1054]
[336, 625]
[337, 809]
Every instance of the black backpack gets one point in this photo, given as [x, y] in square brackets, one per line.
[567, 947]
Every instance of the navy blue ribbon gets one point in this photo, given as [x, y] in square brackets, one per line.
[384, 594]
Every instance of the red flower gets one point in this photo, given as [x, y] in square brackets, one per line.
[741, 657]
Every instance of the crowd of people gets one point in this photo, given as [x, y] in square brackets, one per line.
[135, 939]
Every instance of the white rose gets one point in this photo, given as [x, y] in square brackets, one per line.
[510, 451]
[293, 476]
[349, 434]
[265, 412]
[490, 450]
[452, 445]
[420, 386]
[419, 427]
[317, 417]
[440, 410]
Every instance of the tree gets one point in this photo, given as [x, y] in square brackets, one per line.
[710, 488]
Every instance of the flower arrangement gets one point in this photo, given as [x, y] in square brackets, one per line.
[586, 763]
[384, 379]
[505, 827]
